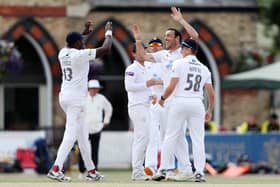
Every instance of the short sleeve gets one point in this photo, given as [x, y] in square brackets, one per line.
[130, 80]
[175, 71]
[130, 74]
[209, 79]
[88, 54]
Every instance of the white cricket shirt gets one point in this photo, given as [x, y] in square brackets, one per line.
[167, 58]
[193, 76]
[135, 84]
[155, 71]
[74, 65]
[94, 108]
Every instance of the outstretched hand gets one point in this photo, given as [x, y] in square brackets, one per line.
[87, 28]
[108, 26]
[176, 14]
[136, 32]
[88, 24]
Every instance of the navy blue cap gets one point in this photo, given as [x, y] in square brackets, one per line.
[72, 37]
[190, 43]
[155, 40]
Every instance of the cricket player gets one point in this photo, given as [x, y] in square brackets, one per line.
[189, 77]
[171, 53]
[139, 98]
[155, 71]
[74, 61]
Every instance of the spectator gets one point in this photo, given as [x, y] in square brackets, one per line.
[271, 124]
[211, 127]
[250, 125]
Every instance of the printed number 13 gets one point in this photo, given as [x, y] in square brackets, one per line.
[193, 82]
[67, 72]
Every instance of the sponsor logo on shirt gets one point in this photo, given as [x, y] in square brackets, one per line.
[129, 73]
[194, 62]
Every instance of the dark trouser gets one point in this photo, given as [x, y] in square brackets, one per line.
[94, 142]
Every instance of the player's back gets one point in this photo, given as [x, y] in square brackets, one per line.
[74, 72]
[193, 76]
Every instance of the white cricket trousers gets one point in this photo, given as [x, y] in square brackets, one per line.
[163, 123]
[154, 136]
[139, 115]
[75, 129]
[191, 111]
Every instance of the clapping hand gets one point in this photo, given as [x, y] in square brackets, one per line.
[108, 26]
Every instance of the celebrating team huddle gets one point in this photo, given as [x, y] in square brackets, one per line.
[165, 88]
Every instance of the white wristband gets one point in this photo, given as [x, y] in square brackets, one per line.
[108, 33]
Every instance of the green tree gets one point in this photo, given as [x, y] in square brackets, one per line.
[270, 16]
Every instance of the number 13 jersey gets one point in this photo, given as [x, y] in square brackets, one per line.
[193, 76]
[74, 65]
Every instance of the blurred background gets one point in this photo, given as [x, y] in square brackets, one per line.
[239, 42]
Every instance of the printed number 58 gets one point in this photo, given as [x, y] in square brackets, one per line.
[193, 82]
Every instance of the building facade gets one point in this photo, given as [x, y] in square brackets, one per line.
[29, 97]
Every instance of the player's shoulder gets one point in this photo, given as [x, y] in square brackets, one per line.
[63, 51]
[205, 70]
[69, 51]
[147, 64]
[163, 52]
[179, 62]
[131, 70]
[205, 67]
[99, 95]
[131, 66]
[191, 58]
[178, 52]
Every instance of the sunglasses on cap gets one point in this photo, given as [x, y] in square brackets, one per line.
[155, 44]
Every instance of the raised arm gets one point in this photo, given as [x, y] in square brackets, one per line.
[101, 51]
[177, 16]
[141, 54]
[168, 91]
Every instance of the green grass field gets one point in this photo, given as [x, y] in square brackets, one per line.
[120, 178]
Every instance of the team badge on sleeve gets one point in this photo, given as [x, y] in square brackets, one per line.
[129, 73]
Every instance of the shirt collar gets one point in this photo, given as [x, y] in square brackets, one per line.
[142, 67]
[178, 50]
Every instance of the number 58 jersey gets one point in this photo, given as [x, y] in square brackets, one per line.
[74, 65]
[193, 76]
